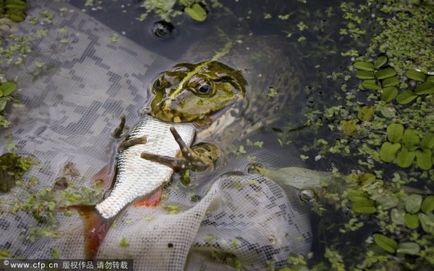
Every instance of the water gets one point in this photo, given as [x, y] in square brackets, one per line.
[286, 46]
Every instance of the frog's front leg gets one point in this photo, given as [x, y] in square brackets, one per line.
[199, 157]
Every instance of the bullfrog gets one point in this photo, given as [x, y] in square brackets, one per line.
[162, 141]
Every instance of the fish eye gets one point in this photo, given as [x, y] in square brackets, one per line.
[307, 195]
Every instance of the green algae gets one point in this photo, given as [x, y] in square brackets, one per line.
[12, 169]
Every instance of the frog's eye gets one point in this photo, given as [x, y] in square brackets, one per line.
[204, 88]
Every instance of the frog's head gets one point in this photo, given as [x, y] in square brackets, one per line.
[194, 92]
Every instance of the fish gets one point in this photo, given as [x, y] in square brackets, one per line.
[135, 176]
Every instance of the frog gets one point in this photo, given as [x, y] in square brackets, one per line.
[191, 93]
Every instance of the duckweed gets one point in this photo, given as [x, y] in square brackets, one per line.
[12, 169]
[195, 9]
[15, 10]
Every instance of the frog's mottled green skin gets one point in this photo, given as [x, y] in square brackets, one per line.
[193, 92]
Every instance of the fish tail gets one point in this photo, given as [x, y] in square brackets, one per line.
[95, 228]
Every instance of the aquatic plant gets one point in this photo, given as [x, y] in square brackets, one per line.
[195, 9]
[381, 123]
[15, 10]
[12, 169]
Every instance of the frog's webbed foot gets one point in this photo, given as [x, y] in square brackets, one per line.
[198, 157]
[119, 131]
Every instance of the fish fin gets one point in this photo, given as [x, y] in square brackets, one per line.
[95, 228]
[151, 200]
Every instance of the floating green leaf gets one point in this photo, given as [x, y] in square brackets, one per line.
[389, 93]
[388, 151]
[430, 79]
[363, 75]
[428, 204]
[411, 221]
[427, 222]
[385, 73]
[395, 132]
[410, 138]
[387, 201]
[406, 97]
[405, 158]
[415, 75]
[124, 242]
[424, 159]
[348, 127]
[196, 12]
[427, 141]
[360, 203]
[397, 216]
[370, 84]
[356, 195]
[413, 203]
[366, 113]
[425, 88]
[364, 66]
[385, 243]
[380, 61]
[7, 88]
[364, 206]
[409, 248]
[3, 102]
[390, 82]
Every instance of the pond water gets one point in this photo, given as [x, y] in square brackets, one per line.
[91, 64]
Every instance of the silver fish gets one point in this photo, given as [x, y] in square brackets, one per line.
[138, 177]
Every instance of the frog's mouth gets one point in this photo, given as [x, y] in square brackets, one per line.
[167, 110]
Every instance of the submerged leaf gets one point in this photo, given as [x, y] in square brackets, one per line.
[385, 243]
[395, 132]
[388, 151]
[405, 158]
[196, 12]
[424, 159]
[406, 97]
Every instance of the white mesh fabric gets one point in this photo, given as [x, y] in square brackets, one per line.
[68, 115]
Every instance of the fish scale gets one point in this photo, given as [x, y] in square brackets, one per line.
[138, 177]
